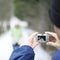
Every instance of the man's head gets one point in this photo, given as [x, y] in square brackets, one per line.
[54, 14]
[57, 30]
[56, 22]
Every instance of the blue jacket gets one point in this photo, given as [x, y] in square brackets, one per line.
[23, 53]
[56, 55]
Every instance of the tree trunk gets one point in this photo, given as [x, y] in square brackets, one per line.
[6, 11]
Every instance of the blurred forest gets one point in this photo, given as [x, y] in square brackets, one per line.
[6, 11]
[28, 7]
[35, 12]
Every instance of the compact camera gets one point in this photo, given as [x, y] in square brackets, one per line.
[42, 38]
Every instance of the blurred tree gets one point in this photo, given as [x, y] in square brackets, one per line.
[34, 11]
[6, 11]
[23, 7]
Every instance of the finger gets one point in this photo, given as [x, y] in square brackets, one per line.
[35, 44]
[49, 32]
[53, 34]
[51, 44]
[31, 38]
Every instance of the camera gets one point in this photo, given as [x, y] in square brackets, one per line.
[42, 38]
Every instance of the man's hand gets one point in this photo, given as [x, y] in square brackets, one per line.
[30, 41]
[56, 43]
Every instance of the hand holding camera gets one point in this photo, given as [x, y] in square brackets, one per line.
[42, 38]
[30, 41]
[54, 40]
[49, 38]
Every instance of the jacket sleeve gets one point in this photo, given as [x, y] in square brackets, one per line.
[23, 53]
[56, 55]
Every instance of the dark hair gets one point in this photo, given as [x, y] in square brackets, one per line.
[54, 13]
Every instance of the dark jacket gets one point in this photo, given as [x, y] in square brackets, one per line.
[23, 53]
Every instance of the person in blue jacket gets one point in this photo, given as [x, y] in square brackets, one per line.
[25, 51]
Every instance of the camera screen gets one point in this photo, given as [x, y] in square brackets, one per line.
[42, 38]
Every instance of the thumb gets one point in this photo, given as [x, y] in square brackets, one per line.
[33, 36]
[35, 44]
[52, 44]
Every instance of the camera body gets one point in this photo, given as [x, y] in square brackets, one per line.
[42, 38]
